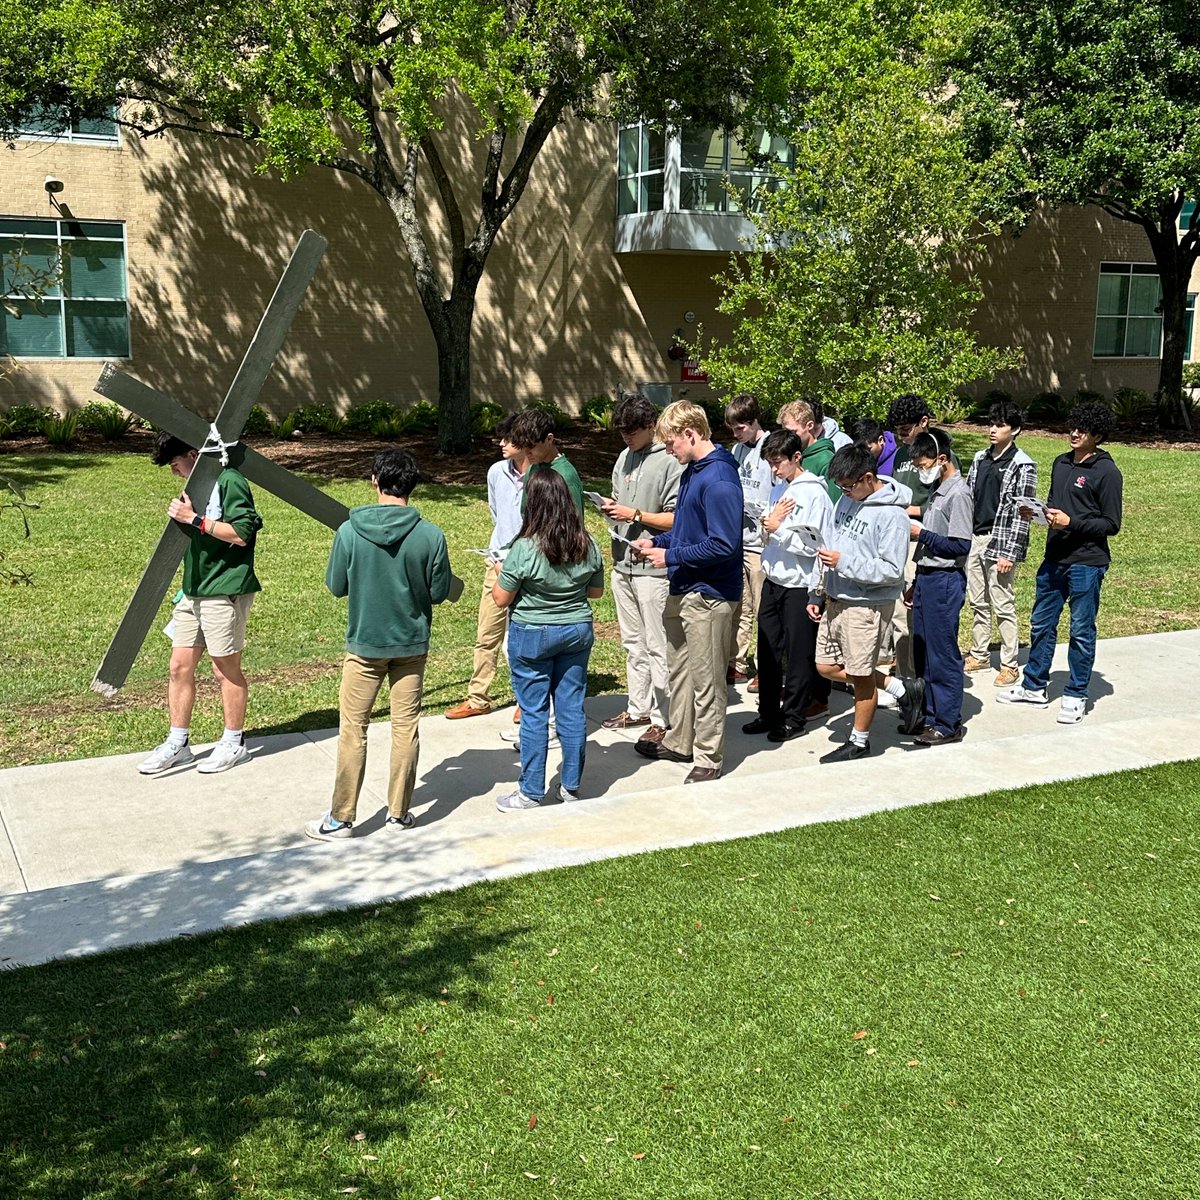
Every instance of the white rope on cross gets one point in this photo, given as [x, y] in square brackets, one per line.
[214, 444]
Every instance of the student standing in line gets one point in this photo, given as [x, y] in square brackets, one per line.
[881, 442]
[1083, 512]
[800, 417]
[393, 566]
[1000, 478]
[532, 432]
[790, 691]
[703, 555]
[743, 418]
[943, 543]
[645, 487]
[505, 484]
[864, 576]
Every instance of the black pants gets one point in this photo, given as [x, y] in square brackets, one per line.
[937, 604]
[788, 681]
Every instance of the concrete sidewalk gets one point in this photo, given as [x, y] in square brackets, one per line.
[95, 856]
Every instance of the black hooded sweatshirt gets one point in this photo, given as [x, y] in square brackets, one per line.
[1089, 492]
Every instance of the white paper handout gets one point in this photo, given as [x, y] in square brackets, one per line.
[810, 538]
[1039, 511]
[597, 499]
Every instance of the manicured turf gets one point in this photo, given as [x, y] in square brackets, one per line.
[991, 997]
[101, 515]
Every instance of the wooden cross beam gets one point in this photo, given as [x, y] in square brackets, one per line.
[231, 419]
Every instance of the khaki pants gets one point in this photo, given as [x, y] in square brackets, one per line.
[901, 642]
[361, 680]
[990, 592]
[489, 639]
[698, 632]
[641, 601]
[742, 639]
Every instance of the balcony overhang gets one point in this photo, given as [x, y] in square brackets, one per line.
[683, 233]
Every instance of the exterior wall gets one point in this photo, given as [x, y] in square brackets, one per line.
[1039, 289]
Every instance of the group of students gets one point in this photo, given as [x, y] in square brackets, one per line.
[854, 551]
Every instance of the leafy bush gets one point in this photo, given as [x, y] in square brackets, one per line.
[1047, 404]
[1130, 402]
[485, 416]
[1088, 396]
[258, 423]
[389, 427]
[318, 418]
[597, 409]
[361, 418]
[1191, 375]
[561, 420]
[421, 418]
[997, 396]
[24, 420]
[957, 408]
[60, 430]
[283, 429]
[109, 420]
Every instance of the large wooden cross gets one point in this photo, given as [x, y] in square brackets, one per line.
[217, 439]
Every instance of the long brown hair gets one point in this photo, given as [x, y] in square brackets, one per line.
[552, 519]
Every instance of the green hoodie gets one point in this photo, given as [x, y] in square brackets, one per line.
[816, 459]
[394, 567]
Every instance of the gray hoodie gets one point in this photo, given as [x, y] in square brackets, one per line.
[872, 536]
[647, 480]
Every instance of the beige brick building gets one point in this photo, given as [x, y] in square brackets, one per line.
[176, 245]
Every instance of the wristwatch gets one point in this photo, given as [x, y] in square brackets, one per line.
[197, 522]
[637, 514]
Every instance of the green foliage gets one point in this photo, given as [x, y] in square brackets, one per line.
[258, 423]
[485, 416]
[1191, 375]
[24, 420]
[389, 428]
[1087, 396]
[854, 292]
[60, 430]
[957, 408]
[598, 411]
[561, 420]
[319, 418]
[362, 418]
[997, 396]
[109, 420]
[1130, 402]
[1048, 404]
[20, 502]
[421, 418]
[284, 428]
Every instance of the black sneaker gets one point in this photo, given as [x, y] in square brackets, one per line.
[787, 731]
[405, 822]
[760, 725]
[912, 705]
[847, 752]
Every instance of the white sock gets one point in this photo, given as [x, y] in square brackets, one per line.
[894, 687]
[232, 736]
[178, 736]
[859, 737]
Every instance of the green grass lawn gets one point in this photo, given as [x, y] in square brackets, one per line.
[992, 997]
[101, 515]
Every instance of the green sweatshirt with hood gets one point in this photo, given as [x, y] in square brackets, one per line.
[394, 566]
[816, 458]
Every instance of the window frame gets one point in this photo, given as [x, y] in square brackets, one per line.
[73, 137]
[63, 298]
[1129, 269]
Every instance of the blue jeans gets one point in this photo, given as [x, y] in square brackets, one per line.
[1078, 585]
[937, 603]
[550, 661]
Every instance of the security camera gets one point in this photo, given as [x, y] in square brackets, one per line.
[54, 185]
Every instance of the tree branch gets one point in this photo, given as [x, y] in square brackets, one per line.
[449, 201]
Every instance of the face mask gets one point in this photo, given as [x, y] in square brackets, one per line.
[928, 475]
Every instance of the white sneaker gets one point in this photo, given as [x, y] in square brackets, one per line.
[405, 822]
[516, 801]
[886, 700]
[326, 829]
[1020, 694]
[1072, 710]
[565, 796]
[165, 756]
[224, 755]
[513, 737]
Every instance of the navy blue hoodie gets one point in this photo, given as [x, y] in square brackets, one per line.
[704, 546]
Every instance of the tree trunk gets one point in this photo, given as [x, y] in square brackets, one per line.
[453, 336]
[1174, 270]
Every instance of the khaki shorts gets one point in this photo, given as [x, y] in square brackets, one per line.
[850, 635]
[218, 623]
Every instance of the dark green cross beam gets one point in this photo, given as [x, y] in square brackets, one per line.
[166, 414]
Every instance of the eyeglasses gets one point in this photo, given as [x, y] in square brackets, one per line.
[846, 489]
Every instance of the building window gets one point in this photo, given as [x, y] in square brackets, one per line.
[76, 272]
[59, 125]
[641, 158]
[1189, 325]
[712, 161]
[1185, 215]
[1128, 311]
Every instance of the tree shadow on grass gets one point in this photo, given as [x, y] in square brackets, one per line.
[148, 1072]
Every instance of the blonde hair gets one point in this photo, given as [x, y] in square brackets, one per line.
[681, 415]
[799, 411]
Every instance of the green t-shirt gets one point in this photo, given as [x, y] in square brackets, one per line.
[215, 568]
[562, 464]
[548, 595]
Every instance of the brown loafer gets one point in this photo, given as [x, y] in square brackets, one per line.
[752, 686]
[624, 721]
[815, 711]
[517, 715]
[466, 709]
[655, 733]
[659, 751]
[703, 774]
